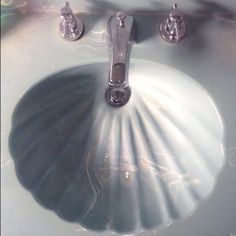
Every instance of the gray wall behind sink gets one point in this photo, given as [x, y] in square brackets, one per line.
[32, 50]
[101, 6]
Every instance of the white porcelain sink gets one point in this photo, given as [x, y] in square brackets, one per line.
[137, 169]
[125, 169]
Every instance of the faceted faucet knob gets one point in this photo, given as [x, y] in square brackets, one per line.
[71, 27]
[173, 28]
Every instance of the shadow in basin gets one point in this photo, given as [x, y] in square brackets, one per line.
[51, 130]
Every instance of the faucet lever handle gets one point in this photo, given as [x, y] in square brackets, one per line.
[120, 29]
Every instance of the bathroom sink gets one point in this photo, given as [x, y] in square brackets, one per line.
[163, 164]
[126, 170]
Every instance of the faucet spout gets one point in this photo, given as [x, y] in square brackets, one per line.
[120, 30]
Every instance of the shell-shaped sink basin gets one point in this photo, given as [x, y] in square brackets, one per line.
[124, 169]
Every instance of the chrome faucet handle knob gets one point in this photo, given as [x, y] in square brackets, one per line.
[71, 27]
[173, 28]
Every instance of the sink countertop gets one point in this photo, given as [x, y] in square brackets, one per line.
[32, 49]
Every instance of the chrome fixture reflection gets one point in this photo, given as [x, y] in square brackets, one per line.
[173, 28]
[120, 30]
[71, 27]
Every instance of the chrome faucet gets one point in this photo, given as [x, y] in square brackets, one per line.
[120, 30]
[173, 28]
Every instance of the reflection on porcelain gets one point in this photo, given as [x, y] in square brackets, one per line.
[126, 170]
